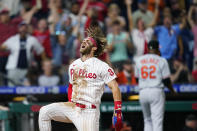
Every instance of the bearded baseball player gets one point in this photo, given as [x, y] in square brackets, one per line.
[87, 77]
[152, 72]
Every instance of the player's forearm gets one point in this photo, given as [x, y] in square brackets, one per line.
[167, 82]
[171, 88]
[116, 93]
[113, 85]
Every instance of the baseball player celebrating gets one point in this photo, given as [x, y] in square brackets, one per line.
[152, 72]
[87, 76]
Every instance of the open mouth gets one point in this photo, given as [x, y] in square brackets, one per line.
[83, 46]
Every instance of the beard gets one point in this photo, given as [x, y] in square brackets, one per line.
[86, 51]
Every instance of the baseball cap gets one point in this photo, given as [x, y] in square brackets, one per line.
[142, 1]
[22, 23]
[153, 44]
[4, 11]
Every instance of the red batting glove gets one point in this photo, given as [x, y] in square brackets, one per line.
[117, 116]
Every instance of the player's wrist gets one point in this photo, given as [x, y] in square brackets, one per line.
[117, 105]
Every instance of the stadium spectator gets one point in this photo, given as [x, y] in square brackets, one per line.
[192, 19]
[92, 16]
[73, 43]
[126, 76]
[12, 5]
[56, 12]
[143, 33]
[180, 73]
[167, 37]
[47, 78]
[43, 8]
[31, 78]
[118, 44]
[20, 46]
[190, 123]
[55, 20]
[74, 14]
[43, 36]
[177, 7]
[113, 14]
[9, 25]
[62, 39]
[143, 13]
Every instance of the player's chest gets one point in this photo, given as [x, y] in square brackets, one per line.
[84, 71]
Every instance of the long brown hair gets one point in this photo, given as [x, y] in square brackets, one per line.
[96, 33]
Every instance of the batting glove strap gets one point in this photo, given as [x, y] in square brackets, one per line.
[117, 119]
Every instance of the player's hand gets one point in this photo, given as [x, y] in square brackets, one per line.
[117, 120]
[174, 93]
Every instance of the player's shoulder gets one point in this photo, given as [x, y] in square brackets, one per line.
[163, 60]
[75, 62]
[147, 56]
[99, 62]
[138, 59]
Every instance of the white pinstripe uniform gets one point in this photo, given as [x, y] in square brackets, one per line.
[150, 69]
[88, 79]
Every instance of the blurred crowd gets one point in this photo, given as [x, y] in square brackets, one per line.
[40, 38]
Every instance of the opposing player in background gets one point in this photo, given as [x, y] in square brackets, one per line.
[152, 72]
[87, 77]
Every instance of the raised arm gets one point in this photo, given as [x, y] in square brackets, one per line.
[53, 17]
[156, 13]
[189, 18]
[81, 12]
[27, 16]
[129, 13]
[83, 8]
[183, 20]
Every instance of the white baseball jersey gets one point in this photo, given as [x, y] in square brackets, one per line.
[150, 69]
[88, 79]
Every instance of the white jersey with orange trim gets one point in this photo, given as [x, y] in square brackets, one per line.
[150, 69]
[88, 80]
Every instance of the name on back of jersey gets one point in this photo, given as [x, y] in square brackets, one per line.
[149, 60]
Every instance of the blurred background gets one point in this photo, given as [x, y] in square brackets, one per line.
[40, 38]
